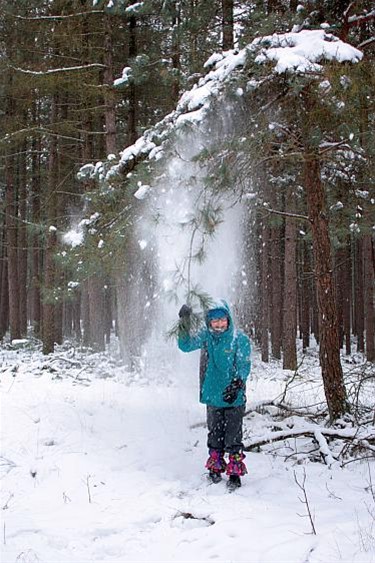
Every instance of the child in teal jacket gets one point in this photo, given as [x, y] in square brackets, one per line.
[224, 368]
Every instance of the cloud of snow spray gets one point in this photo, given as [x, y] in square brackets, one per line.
[175, 197]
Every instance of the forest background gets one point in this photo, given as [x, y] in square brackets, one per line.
[309, 233]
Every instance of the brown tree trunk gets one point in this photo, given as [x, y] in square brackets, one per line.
[77, 317]
[36, 242]
[109, 100]
[290, 290]
[22, 241]
[4, 293]
[96, 312]
[85, 312]
[359, 296]
[176, 54]
[264, 291]
[276, 291]
[306, 296]
[49, 284]
[347, 292]
[369, 297]
[11, 226]
[328, 330]
[339, 289]
[133, 113]
[49, 331]
[228, 27]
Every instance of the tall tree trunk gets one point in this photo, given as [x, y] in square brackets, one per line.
[85, 312]
[369, 297]
[290, 290]
[22, 240]
[4, 293]
[339, 275]
[359, 296]
[347, 292]
[329, 350]
[36, 242]
[264, 289]
[306, 295]
[109, 100]
[97, 312]
[133, 113]
[228, 27]
[276, 291]
[49, 263]
[11, 226]
[176, 55]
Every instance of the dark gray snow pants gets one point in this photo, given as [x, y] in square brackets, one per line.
[225, 428]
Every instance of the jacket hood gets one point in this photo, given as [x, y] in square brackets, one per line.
[220, 304]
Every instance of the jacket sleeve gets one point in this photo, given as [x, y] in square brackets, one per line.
[243, 357]
[188, 343]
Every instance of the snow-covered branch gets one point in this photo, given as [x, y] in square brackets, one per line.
[60, 17]
[367, 43]
[364, 438]
[57, 70]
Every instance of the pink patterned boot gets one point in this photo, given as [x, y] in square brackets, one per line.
[236, 468]
[216, 465]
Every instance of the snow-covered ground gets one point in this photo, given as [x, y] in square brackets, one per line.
[100, 465]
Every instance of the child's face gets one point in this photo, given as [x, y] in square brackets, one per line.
[219, 325]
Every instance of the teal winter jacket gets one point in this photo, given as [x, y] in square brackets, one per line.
[224, 357]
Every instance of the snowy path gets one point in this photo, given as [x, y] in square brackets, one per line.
[110, 472]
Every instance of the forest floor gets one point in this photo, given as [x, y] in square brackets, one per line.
[99, 464]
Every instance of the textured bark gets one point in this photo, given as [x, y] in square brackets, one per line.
[228, 28]
[49, 283]
[264, 290]
[369, 297]
[77, 317]
[343, 292]
[290, 290]
[306, 295]
[276, 291]
[109, 99]
[359, 310]
[176, 52]
[85, 312]
[133, 113]
[329, 350]
[347, 298]
[4, 294]
[11, 226]
[339, 274]
[49, 263]
[22, 240]
[36, 311]
[96, 312]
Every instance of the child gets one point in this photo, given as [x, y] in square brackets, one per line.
[224, 368]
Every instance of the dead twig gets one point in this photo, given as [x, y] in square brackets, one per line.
[305, 499]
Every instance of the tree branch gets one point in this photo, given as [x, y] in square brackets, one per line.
[57, 70]
[286, 214]
[56, 18]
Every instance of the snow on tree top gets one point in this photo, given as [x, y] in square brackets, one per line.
[298, 52]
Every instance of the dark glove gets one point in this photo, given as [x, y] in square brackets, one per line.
[185, 312]
[185, 319]
[230, 393]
